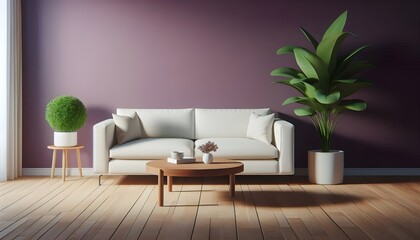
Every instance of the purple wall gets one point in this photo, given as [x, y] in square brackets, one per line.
[126, 53]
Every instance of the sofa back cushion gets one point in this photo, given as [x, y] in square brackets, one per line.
[230, 123]
[164, 123]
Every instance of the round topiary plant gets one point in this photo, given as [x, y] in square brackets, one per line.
[65, 114]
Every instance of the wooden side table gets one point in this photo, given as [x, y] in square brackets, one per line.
[64, 158]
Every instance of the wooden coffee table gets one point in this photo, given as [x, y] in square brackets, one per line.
[219, 167]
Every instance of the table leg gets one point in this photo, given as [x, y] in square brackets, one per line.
[67, 160]
[63, 164]
[232, 185]
[170, 183]
[79, 163]
[54, 157]
[160, 185]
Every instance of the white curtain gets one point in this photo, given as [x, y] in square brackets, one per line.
[11, 157]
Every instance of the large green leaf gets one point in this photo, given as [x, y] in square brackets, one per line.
[355, 105]
[299, 87]
[310, 81]
[354, 53]
[310, 103]
[304, 112]
[295, 100]
[308, 89]
[286, 49]
[351, 104]
[345, 81]
[301, 75]
[285, 72]
[336, 27]
[328, 48]
[310, 38]
[311, 65]
[342, 65]
[347, 89]
[327, 98]
[352, 69]
[296, 81]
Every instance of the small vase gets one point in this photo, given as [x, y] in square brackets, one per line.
[207, 158]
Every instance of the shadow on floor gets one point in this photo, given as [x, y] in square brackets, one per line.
[291, 199]
[246, 194]
[381, 179]
[266, 180]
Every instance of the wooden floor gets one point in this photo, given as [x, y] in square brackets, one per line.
[264, 208]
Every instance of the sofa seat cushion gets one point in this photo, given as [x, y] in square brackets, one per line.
[239, 148]
[152, 148]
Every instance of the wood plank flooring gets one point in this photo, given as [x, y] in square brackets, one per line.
[265, 207]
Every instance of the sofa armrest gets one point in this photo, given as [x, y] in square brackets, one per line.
[103, 140]
[284, 140]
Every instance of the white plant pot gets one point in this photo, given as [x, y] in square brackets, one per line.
[65, 139]
[326, 167]
[207, 158]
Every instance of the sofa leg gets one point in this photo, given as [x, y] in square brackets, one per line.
[100, 180]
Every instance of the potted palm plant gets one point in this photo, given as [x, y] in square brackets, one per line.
[326, 82]
[65, 115]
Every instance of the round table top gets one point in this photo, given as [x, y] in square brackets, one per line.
[219, 167]
[66, 148]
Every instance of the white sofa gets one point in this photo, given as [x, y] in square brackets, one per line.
[166, 130]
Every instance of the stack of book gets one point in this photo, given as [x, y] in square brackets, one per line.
[181, 161]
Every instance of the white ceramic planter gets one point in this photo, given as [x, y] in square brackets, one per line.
[326, 167]
[207, 158]
[65, 139]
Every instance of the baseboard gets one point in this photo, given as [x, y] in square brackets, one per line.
[298, 171]
[57, 172]
[370, 171]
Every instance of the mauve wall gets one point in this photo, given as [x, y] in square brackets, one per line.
[216, 54]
